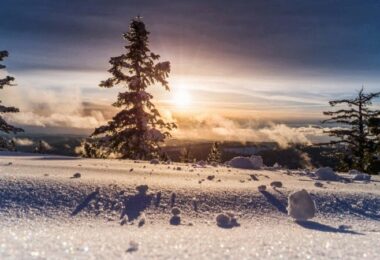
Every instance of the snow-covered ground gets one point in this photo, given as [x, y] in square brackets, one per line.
[46, 213]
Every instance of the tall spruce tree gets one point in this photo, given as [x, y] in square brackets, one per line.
[137, 131]
[353, 138]
[214, 155]
[4, 82]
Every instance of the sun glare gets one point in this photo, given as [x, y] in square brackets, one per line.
[182, 98]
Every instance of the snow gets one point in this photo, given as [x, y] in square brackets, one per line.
[44, 213]
[362, 177]
[300, 205]
[326, 174]
[154, 161]
[354, 172]
[253, 162]
[359, 176]
[226, 220]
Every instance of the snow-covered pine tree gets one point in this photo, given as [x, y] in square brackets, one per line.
[353, 140]
[138, 129]
[4, 82]
[214, 155]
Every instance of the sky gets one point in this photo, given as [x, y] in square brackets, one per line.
[267, 61]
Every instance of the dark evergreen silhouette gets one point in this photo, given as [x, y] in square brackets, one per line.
[137, 131]
[215, 155]
[7, 82]
[353, 138]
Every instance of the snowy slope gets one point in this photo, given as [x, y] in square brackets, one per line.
[46, 213]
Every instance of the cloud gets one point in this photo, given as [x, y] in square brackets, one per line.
[62, 107]
[65, 107]
[23, 141]
[45, 145]
[215, 127]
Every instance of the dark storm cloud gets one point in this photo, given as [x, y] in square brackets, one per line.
[327, 35]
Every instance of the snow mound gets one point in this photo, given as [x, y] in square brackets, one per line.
[362, 177]
[154, 161]
[354, 172]
[253, 162]
[200, 164]
[359, 176]
[300, 205]
[326, 174]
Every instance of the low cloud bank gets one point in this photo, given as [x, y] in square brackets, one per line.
[66, 108]
[23, 141]
[223, 129]
[52, 108]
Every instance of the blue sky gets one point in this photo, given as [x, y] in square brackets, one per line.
[270, 60]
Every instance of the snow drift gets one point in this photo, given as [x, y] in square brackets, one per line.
[253, 162]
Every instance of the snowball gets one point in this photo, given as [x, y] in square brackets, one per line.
[262, 188]
[326, 174]
[226, 220]
[253, 162]
[300, 205]
[176, 211]
[142, 189]
[276, 184]
[154, 161]
[222, 220]
[210, 177]
[77, 175]
[175, 220]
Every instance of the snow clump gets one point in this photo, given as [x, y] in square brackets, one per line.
[226, 220]
[253, 162]
[326, 174]
[262, 188]
[154, 161]
[301, 206]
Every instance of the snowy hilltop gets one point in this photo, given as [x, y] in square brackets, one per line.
[93, 208]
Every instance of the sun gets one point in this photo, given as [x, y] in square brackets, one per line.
[182, 98]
